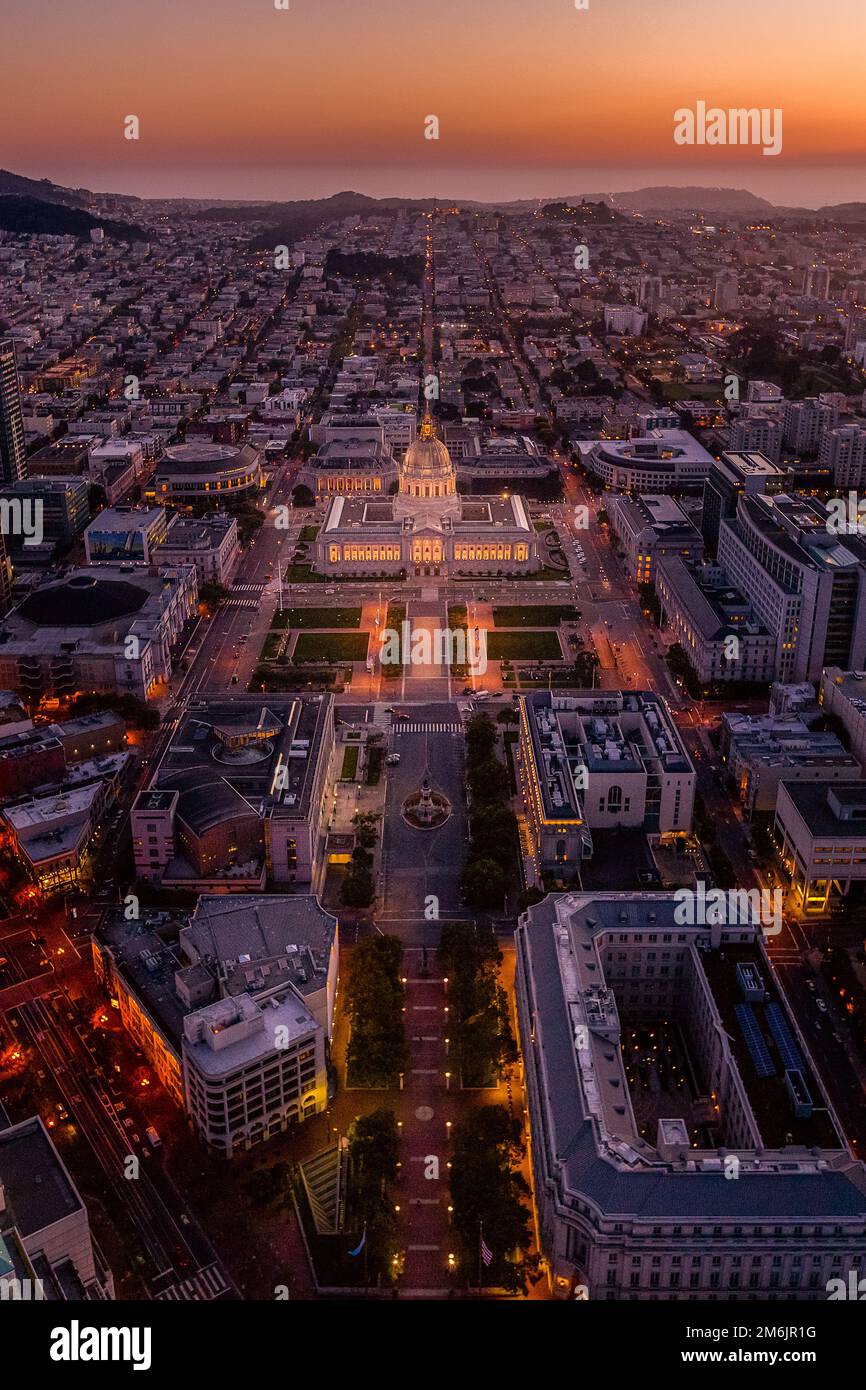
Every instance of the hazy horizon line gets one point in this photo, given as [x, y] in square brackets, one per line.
[269, 184]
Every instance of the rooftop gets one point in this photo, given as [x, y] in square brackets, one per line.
[587, 1139]
[37, 1187]
[233, 757]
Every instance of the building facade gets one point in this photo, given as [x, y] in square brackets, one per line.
[649, 528]
[661, 461]
[105, 628]
[426, 528]
[13, 457]
[714, 623]
[637, 1203]
[239, 798]
[807, 584]
[234, 1010]
[598, 760]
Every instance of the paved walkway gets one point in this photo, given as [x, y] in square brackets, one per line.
[424, 1107]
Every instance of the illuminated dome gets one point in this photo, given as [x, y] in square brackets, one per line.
[427, 470]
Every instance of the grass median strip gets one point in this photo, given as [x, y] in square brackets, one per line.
[523, 646]
[535, 615]
[330, 646]
[318, 617]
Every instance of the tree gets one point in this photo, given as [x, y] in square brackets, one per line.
[358, 889]
[481, 737]
[483, 883]
[267, 1184]
[488, 780]
[491, 827]
[372, 1166]
[212, 595]
[377, 1050]
[487, 1196]
[482, 1043]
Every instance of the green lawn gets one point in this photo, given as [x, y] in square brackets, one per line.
[545, 575]
[540, 615]
[523, 646]
[308, 533]
[691, 391]
[270, 647]
[330, 646]
[350, 763]
[318, 617]
[375, 759]
[305, 574]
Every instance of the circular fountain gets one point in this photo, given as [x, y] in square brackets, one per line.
[426, 809]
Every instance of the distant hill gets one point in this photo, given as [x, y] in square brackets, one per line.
[842, 212]
[666, 198]
[298, 217]
[35, 217]
[289, 221]
[584, 213]
[43, 189]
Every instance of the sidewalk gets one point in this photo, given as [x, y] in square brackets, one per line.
[424, 1107]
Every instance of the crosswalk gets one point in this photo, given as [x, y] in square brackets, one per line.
[405, 726]
[245, 596]
[203, 1287]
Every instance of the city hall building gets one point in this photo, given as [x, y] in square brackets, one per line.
[426, 528]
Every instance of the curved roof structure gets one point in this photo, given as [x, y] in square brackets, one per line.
[83, 601]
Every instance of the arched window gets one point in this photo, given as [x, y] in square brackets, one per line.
[614, 799]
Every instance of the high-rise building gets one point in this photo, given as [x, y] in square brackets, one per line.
[5, 577]
[844, 450]
[735, 475]
[757, 434]
[816, 284]
[855, 331]
[650, 292]
[12, 456]
[726, 291]
[806, 583]
[236, 1016]
[804, 422]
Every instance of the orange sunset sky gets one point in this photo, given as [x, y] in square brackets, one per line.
[238, 99]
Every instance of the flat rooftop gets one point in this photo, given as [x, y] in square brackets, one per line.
[38, 1189]
[631, 730]
[225, 757]
[817, 805]
[127, 519]
[244, 930]
[584, 1133]
[767, 1097]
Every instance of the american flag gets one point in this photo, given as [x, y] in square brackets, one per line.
[486, 1252]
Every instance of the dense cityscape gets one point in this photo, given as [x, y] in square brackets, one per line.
[433, 749]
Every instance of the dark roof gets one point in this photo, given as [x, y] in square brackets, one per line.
[649, 1194]
[83, 601]
[38, 1192]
